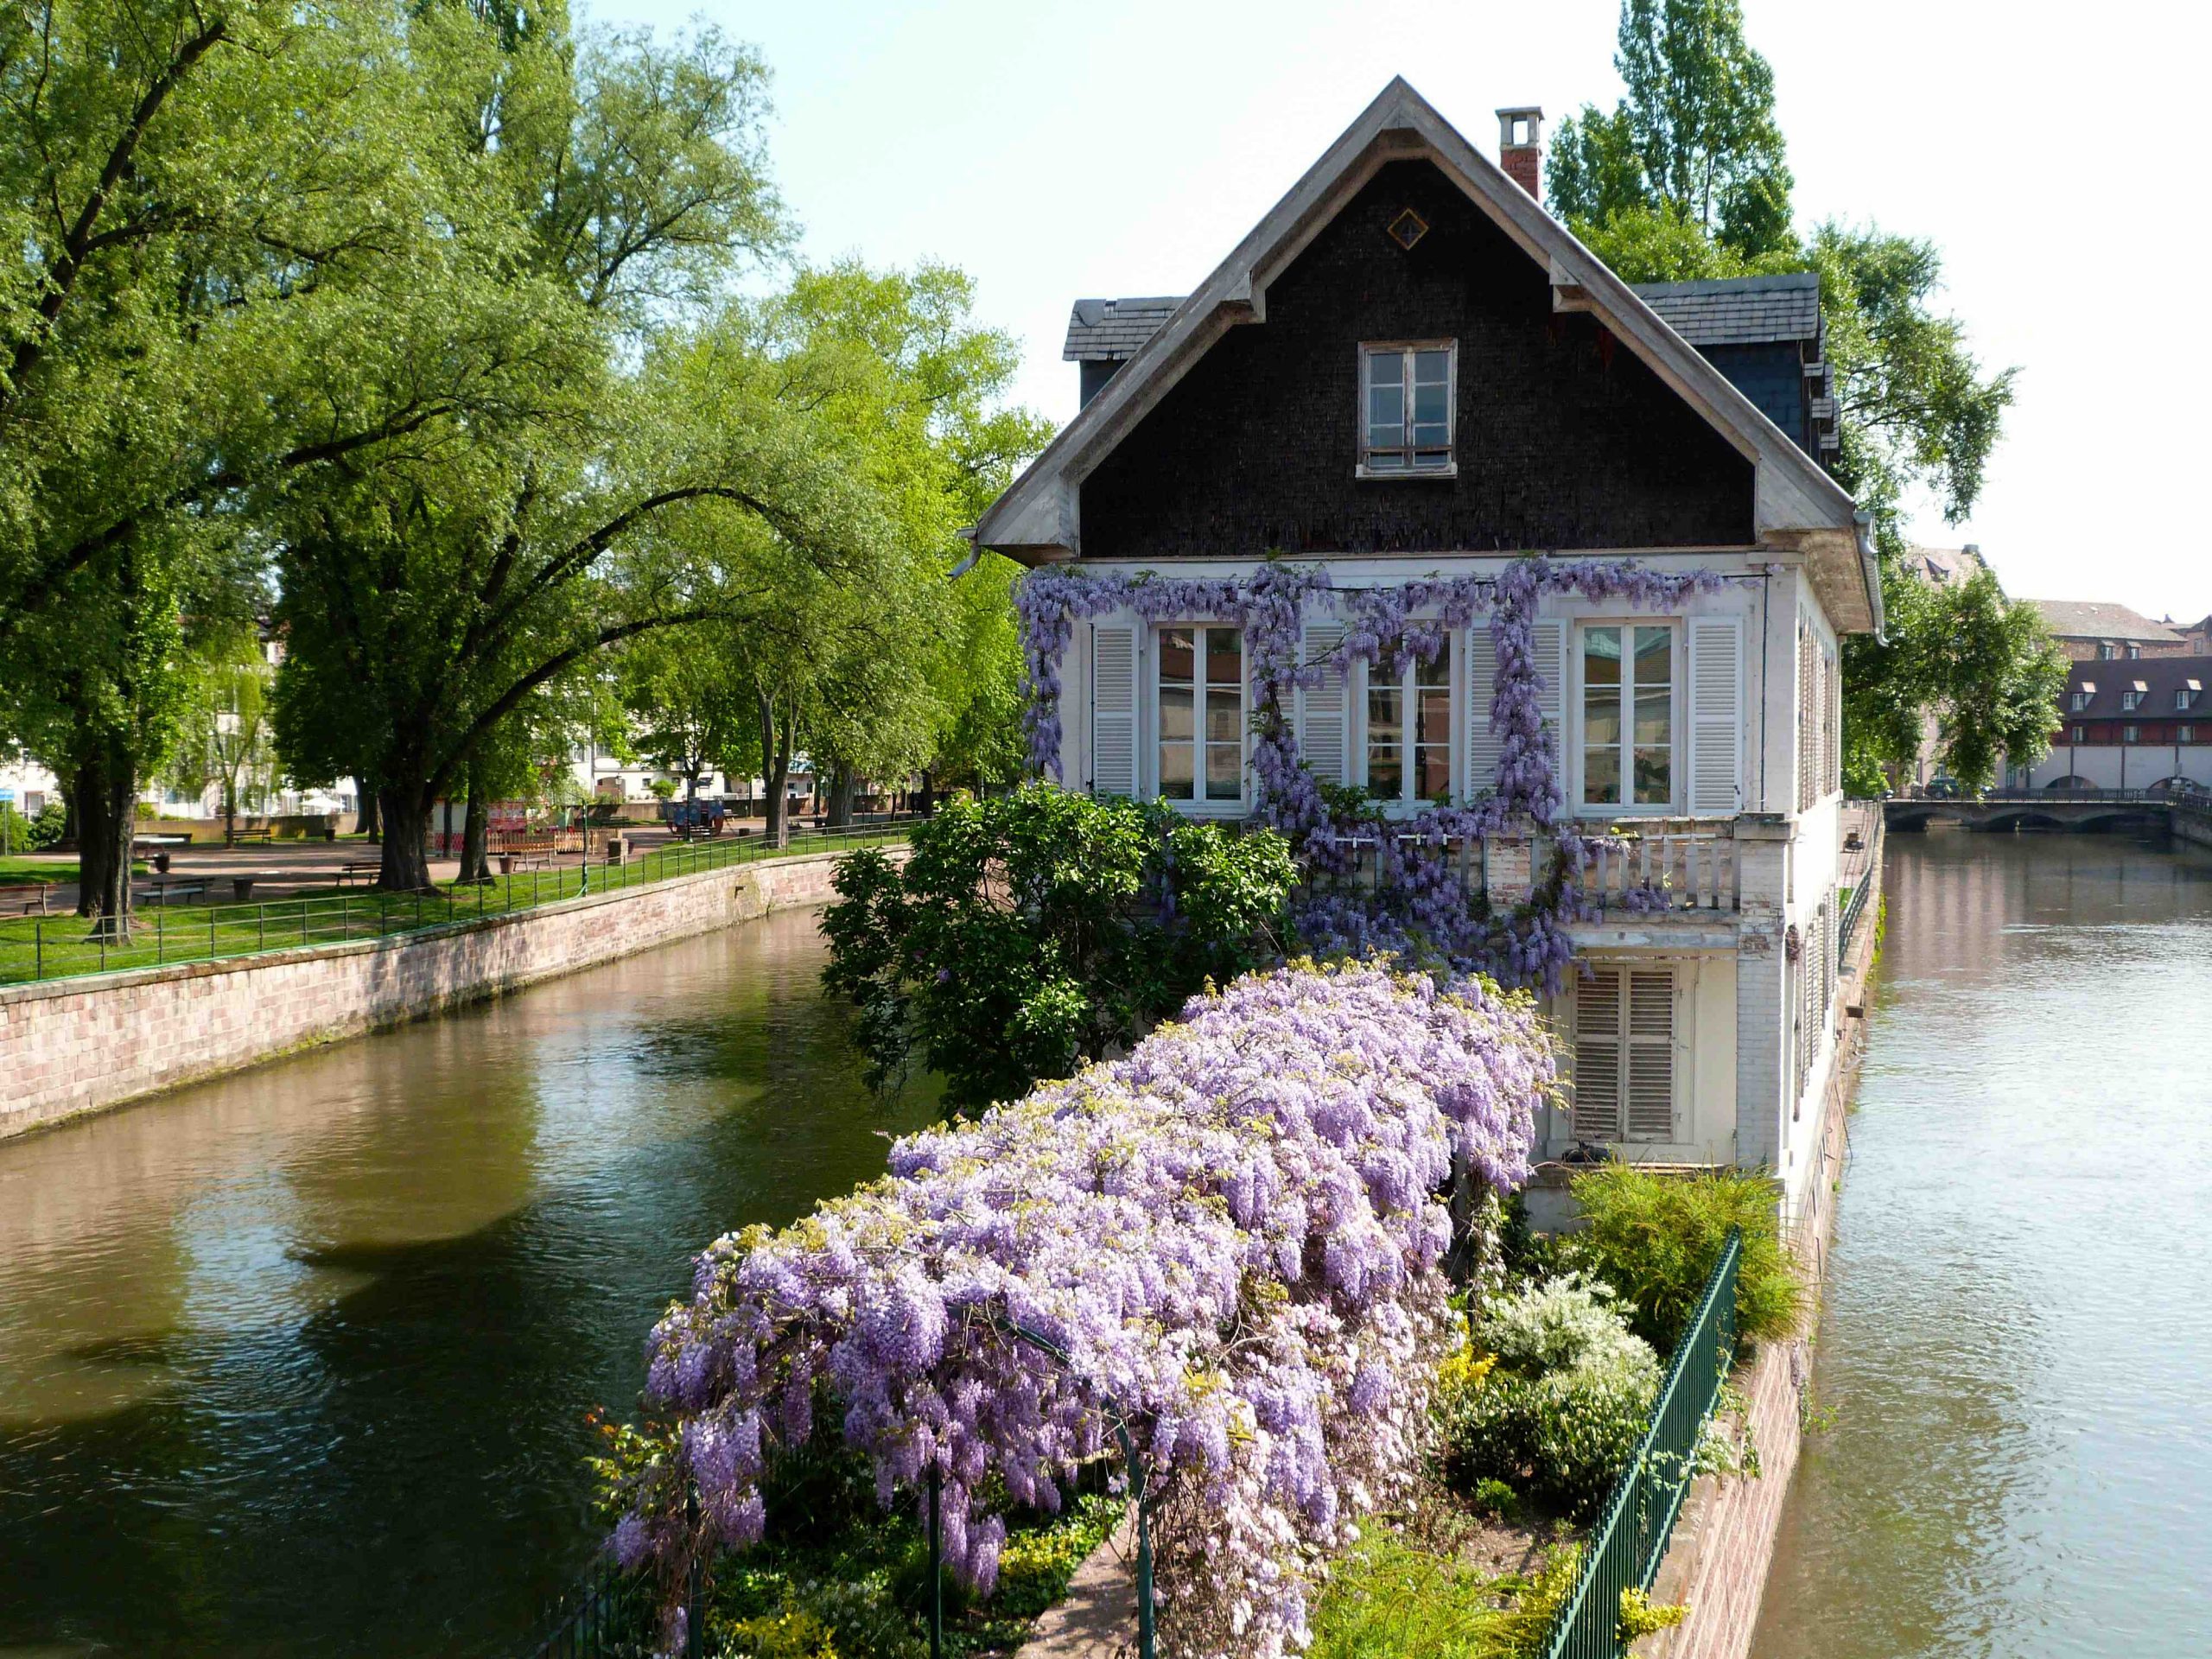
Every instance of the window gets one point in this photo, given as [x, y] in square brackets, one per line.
[2077, 737]
[2134, 652]
[2130, 733]
[1201, 713]
[2133, 698]
[1628, 715]
[1405, 400]
[1624, 1053]
[2184, 733]
[2081, 701]
[1408, 747]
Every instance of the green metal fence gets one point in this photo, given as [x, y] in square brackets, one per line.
[59, 947]
[1625, 1548]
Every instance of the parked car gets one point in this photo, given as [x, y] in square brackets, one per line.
[1942, 788]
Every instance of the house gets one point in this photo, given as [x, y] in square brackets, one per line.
[2092, 631]
[1406, 377]
[2197, 636]
[2129, 723]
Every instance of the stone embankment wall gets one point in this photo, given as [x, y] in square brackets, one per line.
[1724, 1540]
[74, 1046]
[2190, 824]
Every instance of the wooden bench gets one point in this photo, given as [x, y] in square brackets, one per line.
[31, 894]
[353, 866]
[165, 891]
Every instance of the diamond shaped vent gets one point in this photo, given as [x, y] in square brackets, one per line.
[1408, 228]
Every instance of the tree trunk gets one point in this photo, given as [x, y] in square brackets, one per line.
[842, 783]
[107, 799]
[229, 814]
[402, 864]
[475, 832]
[776, 760]
[366, 820]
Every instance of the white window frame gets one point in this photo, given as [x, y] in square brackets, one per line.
[2131, 733]
[1407, 691]
[1200, 803]
[2185, 733]
[1405, 349]
[1677, 747]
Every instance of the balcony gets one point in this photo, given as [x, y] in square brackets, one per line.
[1649, 869]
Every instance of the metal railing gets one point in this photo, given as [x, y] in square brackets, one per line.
[609, 1614]
[1861, 890]
[60, 947]
[1625, 1548]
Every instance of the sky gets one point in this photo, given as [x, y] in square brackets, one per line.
[1055, 150]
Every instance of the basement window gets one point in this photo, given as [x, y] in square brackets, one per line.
[1406, 391]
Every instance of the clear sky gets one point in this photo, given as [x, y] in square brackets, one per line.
[2053, 153]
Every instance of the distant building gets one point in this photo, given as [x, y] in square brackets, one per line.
[2197, 635]
[2092, 631]
[2129, 723]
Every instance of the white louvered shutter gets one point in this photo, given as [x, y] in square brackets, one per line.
[1325, 730]
[1113, 709]
[1550, 641]
[1716, 672]
[1650, 1054]
[1483, 747]
[1598, 1055]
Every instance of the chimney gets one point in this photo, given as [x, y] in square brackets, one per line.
[1521, 147]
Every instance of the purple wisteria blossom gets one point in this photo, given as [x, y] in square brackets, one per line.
[1234, 1235]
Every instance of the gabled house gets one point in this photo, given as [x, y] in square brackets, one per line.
[1408, 377]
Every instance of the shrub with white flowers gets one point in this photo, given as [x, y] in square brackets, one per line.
[1234, 1238]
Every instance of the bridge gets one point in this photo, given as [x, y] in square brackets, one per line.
[2186, 812]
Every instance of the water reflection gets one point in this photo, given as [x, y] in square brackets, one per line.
[297, 1362]
[2019, 1328]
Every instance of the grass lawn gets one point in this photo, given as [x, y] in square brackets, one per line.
[37, 867]
[51, 947]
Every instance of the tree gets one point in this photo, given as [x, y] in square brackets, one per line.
[1040, 929]
[431, 590]
[223, 742]
[1695, 139]
[1686, 181]
[691, 711]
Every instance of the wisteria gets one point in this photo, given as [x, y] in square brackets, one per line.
[1233, 1237]
[1416, 899]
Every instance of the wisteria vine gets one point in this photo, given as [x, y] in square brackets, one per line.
[1234, 1236]
[1417, 898]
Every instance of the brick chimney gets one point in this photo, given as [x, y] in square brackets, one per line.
[1521, 147]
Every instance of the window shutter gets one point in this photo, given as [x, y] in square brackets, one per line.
[1483, 748]
[1651, 1054]
[1114, 710]
[1322, 739]
[1598, 1055]
[1716, 673]
[1550, 641]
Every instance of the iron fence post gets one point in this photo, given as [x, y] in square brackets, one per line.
[157, 935]
[695, 1638]
[213, 911]
[937, 1566]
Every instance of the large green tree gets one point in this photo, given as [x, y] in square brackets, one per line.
[1687, 180]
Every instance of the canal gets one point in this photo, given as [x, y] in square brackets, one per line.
[2015, 1361]
[297, 1362]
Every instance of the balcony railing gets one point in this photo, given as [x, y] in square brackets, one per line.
[1673, 866]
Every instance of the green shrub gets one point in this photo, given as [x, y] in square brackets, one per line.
[1033, 932]
[1387, 1599]
[1654, 1238]
[1561, 1409]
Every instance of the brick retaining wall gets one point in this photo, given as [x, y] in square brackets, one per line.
[74, 1046]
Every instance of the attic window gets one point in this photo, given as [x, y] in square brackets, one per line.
[1408, 228]
[1406, 394]
[2133, 697]
[2081, 698]
[2187, 695]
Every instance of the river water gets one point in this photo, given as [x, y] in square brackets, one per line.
[2017, 1346]
[296, 1363]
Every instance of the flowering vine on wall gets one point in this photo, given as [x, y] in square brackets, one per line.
[1417, 898]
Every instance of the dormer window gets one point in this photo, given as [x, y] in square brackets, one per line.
[2081, 698]
[2186, 697]
[2133, 697]
[1407, 392]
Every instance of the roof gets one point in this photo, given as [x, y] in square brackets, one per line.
[1795, 503]
[2158, 677]
[2091, 618]
[1739, 310]
[1943, 566]
[1111, 331]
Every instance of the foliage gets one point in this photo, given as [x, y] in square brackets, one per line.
[1564, 1407]
[1390, 1598]
[1695, 140]
[1032, 931]
[1654, 1239]
[1641, 1617]
[22, 834]
[1231, 1241]
[224, 738]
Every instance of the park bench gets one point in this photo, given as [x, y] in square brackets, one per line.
[32, 895]
[268, 835]
[165, 891]
[137, 842]
[353, 866]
